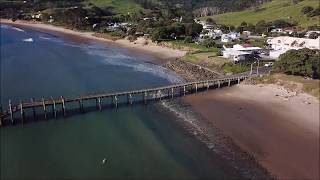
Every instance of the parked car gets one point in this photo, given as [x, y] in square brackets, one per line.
[270, 64]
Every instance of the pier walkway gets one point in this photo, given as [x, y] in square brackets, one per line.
[53, 106]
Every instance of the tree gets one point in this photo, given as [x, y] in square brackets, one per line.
[244, 24]
[280, 23]
[193, 29]
[208, 43]
[210, 21]
[262, 27]
[303, 62]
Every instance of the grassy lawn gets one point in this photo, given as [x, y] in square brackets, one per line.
[181, 45]
[276, 9]
[214, 62]
[258, 42]
[310, 86]
[119, 6]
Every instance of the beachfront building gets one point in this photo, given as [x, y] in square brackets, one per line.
[240, 52]
[282, 44]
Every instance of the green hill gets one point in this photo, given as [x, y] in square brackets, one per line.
[118, 6]
[276, 9]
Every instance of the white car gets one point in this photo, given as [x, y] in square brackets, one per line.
[269, 64]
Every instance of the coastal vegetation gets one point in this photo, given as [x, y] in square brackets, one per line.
[303, 62]
[294, 83]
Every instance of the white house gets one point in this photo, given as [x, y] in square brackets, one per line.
[208, 26]
[234, 35]
[225, 38]
[246, 33]
[218, 32]
[282, 44]
[240, 52]
[209, 34]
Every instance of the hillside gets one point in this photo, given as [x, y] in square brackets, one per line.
[197, 6]
[270, 11]
[117, 6]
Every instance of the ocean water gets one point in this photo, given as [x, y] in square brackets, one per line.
[142, 141]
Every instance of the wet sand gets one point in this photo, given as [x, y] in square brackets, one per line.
[281, 133]
[161, 54]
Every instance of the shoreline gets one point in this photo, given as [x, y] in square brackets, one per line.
[281, 133]
[161, 54]
[203, 103]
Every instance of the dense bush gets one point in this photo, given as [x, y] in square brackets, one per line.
[313, 13]
[303, 62]
[306, 9]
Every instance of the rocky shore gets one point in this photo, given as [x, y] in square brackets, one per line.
[189, 71]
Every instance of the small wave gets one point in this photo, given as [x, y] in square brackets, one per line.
[18, 29]
[118, 59]
[3, 26]
[46, 38]
[28, 40]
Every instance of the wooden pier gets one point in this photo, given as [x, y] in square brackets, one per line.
[144, 95]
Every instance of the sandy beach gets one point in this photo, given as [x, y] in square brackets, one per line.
[279, 128]
[161, 54]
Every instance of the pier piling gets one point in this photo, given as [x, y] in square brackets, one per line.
[172, 93]
[21, 112]
[115, 101]
[160, 95]
[63, 106]
[129, 99]
[44, 108]
[145, 97]
[33, 108]
[99, 103]
[10, 112]
[54, 110]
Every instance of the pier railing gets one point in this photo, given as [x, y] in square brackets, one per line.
[131, 97]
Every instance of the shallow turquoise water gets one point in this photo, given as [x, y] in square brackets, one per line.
[137, 142]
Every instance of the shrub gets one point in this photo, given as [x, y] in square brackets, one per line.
[306, 9]
[208, 43]
[132, 38]
[188, 39]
